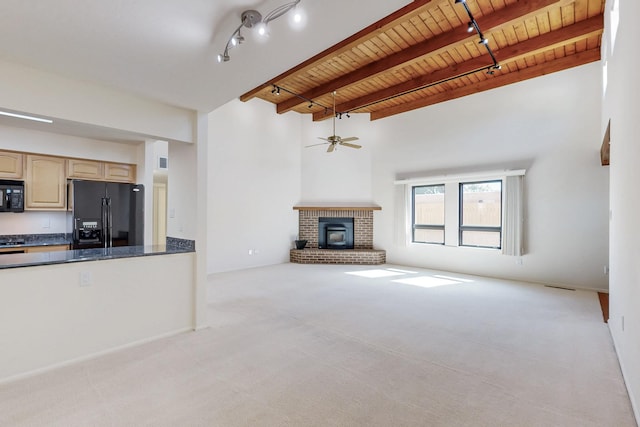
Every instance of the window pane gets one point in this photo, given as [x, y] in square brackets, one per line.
[428, 236]
[481, 238]
[428, 205]
[481, 204]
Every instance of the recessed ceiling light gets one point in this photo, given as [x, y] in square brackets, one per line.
[23, 116]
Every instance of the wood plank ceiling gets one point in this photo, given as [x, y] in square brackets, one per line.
[423, 54]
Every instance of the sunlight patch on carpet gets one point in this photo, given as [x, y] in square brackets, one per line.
[428, 281]
[373, 274]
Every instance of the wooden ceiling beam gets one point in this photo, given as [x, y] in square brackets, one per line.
[575, 60]
[518, 11]
[570, 34]
[412, 9]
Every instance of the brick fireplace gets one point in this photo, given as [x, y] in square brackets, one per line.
[362, 252]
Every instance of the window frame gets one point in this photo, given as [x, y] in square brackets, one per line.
[415, 226]
[484, 228]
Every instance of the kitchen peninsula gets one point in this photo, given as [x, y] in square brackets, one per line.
[63, 306]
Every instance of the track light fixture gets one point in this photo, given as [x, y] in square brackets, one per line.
[473, 25]
[311, 103]
[254, 19]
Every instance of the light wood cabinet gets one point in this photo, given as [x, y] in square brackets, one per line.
[85, 169]
[12, 251]
[45, 183]
[11, 165]
[50, 248]
[119, 172]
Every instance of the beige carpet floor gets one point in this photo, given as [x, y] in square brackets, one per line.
[327, 345]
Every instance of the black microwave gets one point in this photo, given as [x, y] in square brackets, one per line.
[11, 196]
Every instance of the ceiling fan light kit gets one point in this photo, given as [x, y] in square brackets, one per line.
[254, 19]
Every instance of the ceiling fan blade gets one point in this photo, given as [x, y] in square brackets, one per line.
[346, 144]
[313, 145]
[331, 148]
[324, 139]
[351, 138]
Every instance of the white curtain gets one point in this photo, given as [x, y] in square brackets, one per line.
[512, 230]
[400, 217]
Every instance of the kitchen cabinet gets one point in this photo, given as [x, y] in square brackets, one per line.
[12, 251]
[11, 165]
[49, 248]
[45, 183]
[85, 169]
[120, 172]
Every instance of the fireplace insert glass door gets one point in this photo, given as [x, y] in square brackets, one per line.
[335, 233]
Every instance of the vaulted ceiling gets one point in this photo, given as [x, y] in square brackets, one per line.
[422, 54]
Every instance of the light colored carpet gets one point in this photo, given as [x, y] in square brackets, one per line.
[328, 345]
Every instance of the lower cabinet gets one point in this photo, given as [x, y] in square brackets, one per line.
[50, 248]
[32, 249]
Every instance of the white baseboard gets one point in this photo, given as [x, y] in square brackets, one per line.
[91, 356]
[634, 402]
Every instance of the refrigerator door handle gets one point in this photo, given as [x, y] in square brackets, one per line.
[105, 223]
[110, 222]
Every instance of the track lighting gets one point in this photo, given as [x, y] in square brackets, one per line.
[276, 90]
[473, 25]
[310, 104]
[254, 19]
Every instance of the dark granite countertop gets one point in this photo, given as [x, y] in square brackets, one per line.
[16, 241]
[79, 255]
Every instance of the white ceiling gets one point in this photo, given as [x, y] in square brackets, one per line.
[166, 50]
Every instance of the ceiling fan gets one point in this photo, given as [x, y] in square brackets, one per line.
[335, 140]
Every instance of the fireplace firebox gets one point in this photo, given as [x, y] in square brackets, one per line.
[335, 233]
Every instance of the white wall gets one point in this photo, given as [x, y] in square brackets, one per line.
[344, 175]
[254, 182]
[48, 319]
[622, 106]
[37, 92]
[549, 126]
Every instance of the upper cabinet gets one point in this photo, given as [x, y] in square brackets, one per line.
[45, 177]
[45, 183]
[100, 171]
[119, 172]
[85, 169]
[11, 165]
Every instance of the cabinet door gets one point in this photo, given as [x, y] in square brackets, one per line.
[50, 248]
[120, 172]
[46, 183]
[84, 169]
[11, 165]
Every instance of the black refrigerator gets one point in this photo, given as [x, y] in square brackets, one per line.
[106, 214]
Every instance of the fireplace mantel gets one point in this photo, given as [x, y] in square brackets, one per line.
[350, 206]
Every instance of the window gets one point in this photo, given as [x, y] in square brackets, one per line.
[428, 214]
[481, 214]
[474, 210]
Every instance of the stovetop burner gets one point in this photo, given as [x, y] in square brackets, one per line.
[8, 242]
